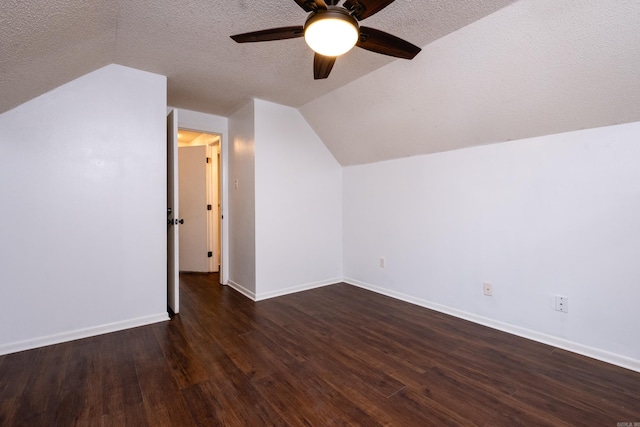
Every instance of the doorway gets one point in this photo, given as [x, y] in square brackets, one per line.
[199, 203]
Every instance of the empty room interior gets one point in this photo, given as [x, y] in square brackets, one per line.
[440, 226]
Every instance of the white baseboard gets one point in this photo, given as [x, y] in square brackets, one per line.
[244, 291]
[81, 333]
[594, 353]
[280, 292]
[297, 288]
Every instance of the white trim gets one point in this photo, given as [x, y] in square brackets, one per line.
[223, 175]
[594, 353]
[294, 289]
[81, 333]
[281, 292]
[244, 291]
[209, 123]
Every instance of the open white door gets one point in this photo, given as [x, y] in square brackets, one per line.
[192, 164]
[173, 236]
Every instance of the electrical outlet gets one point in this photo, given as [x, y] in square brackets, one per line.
[487, 289]
[382, 262]
[562, 304]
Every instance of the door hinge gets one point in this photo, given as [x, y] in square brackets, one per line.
[209, 254]
[209, 207]
[208, 159]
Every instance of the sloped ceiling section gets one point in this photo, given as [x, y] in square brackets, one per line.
[490, 70]
[188, 41]
[533, 68]
[45, 43]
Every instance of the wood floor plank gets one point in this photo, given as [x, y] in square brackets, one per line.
[185, 366]
[357, 365]
[16, 369]
[162, 401]
[411, 407]
[355, 389]
[8, 408]
[209, 405]
[516, 413]
[121, 389]
[335, 355]
[337, 408]
[504, 366]
[257, 356]
[230, 395]
[473, 400]
[43, 386]
[79, 400]
[607, 382]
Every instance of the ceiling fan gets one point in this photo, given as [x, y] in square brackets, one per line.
[331, 30]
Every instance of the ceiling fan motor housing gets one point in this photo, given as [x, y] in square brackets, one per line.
[332, 12]
[332, 31]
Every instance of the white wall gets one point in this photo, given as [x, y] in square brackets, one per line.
[82, 184]
[558, 214]
[298, 204]
[242, 208]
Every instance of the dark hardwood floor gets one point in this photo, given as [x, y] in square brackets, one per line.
[337, 355]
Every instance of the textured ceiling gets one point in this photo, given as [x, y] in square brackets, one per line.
[490, 70]
[46, 43]
[532, 68]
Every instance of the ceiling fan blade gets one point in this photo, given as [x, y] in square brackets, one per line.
[362, 9]
[305, 4]
[386, 44]
[270, 34]
[322, 66]
[312, 5]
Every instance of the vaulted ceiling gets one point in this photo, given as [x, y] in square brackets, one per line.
[490, 70]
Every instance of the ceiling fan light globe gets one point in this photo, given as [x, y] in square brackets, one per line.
[331, 36]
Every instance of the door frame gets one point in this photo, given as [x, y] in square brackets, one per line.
[214, 199]
[207, 123]
[173, 215]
